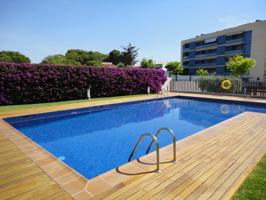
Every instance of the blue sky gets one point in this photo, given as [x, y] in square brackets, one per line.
[39, 28]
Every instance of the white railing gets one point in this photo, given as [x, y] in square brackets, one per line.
[214, 86]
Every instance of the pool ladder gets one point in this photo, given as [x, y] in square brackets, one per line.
[154, 140]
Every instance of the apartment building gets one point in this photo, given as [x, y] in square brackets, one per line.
[211, 51]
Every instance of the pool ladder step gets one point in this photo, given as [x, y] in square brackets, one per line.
[154, 140]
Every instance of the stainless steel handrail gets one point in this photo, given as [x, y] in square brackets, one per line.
[173, 137]
[157, 149]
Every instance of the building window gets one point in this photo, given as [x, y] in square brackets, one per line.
[185, 63]
[186, 46]
[210, 61]
[235, 47]
[207, 61]
[235, 36]
[199, 52]
[200, 43]
[210, 51]
[186, 55]
[200, 61]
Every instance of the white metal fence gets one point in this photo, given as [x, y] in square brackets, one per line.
[251, 88]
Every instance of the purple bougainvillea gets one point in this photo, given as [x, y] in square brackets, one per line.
[32, 83]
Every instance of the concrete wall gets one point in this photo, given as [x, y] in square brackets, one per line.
[258, 49]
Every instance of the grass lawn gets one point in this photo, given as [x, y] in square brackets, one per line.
[254, 187]
[39, 105]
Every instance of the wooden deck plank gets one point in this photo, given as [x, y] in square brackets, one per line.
[224, 164]
[235, 175]
[183, 156]
[230, 154]
[219, 180]
[20, 178]
[206, 146]
[204, 171]
[209, 183]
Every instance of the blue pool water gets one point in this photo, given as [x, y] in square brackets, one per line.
[95, 140]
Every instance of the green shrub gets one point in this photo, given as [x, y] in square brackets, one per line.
[174, 68]
[147, 63]
[202, 72]
[13, 56]
[240, 65]
[59, 60]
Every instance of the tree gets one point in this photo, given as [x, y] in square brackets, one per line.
[240, 65]
[84, 57]
[59, 59]
[174, 68]
[129, 55]
[202, 72]
[114, 56]
[93, 63]
[13, 56]
[147, 63]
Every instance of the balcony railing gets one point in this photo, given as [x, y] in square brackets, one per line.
[234, 40]
[234, 51]
[186, 49]
[206, 54]
[206, 45]
[205, 64]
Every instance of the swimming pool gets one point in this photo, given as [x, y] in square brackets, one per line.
[95, 140]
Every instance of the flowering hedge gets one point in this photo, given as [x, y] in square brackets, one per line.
[32, 83]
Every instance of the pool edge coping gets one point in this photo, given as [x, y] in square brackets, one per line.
[79, 179]
[99, 181]
[151, 97]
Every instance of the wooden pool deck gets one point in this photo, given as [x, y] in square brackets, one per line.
[211, 164]
[21, 178]
[213, 168]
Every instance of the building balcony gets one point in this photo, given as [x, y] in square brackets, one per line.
[186, 49]
[202, 65]
[206, 55]
[238, 40]
[206, 45]
[185, 57]
[232, 52]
